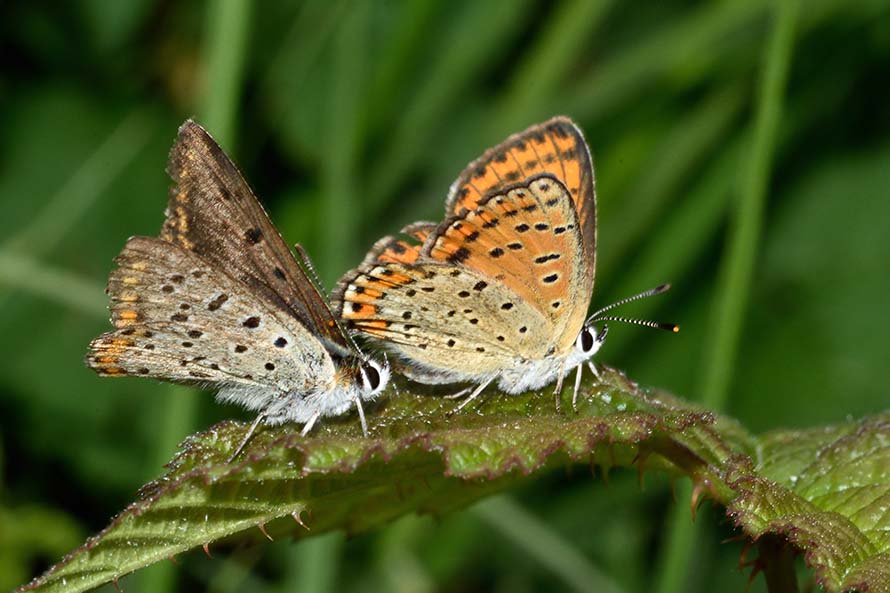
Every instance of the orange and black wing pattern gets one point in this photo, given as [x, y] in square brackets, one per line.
[555, 147]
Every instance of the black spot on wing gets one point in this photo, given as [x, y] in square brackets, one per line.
[543, 259]
[217, 302]
[253, 235]
[459, 256]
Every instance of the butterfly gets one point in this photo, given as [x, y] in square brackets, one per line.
[220, 300]
[498, 291]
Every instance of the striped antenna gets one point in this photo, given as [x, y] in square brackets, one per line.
[598, 315]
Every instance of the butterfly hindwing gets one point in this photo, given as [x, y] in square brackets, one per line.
[443, 317]
[401, 250]
[181, 319]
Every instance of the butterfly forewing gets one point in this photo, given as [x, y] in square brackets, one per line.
[213, 213]
[180, 318]
[526, 240]
[556, 147]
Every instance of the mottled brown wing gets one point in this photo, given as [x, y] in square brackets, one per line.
[179, 318]
[213, 213]
[555, 147]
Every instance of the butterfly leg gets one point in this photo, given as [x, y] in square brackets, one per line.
[594, 370]
[558, 391]
[247, 436]
[309, 424]
[473, 396]
[577, 387]
[361, 416]
[460, 393]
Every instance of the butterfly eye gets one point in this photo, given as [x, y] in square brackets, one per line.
[586, 340]
[372, 377]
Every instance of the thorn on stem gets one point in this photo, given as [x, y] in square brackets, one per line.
[698, 492]
[262, 527]
[207, 549]
[298, 517]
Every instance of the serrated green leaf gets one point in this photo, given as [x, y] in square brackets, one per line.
[828, 492]
[417, 460]
[825, 490]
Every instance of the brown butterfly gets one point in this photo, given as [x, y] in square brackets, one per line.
[219, 299]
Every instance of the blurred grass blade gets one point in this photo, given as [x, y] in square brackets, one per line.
[737, 268]
[340, 213]
[479, 37]
[402, 53]
[539, 75]
[544, 545]
[672, 249]
[63, 210]
[225, 54]
[734, 284]
[19, 272]
[315, 565]
[288, 78]
[692, 36]
[660, 188]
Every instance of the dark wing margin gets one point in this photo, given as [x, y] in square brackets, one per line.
[214, 213]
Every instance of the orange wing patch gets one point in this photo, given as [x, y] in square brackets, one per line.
[525, 239]
[395, 250]
[359, 296]
[556, 147]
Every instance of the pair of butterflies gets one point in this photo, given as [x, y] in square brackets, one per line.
[499, 291]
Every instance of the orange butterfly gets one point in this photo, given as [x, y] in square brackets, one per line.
[500, 289]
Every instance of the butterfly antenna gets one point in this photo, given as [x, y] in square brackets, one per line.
[309, 267]
[598, 315]
[312, 274]
[671, 327]
[651, 292]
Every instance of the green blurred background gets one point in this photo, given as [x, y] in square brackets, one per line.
[742, 152]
